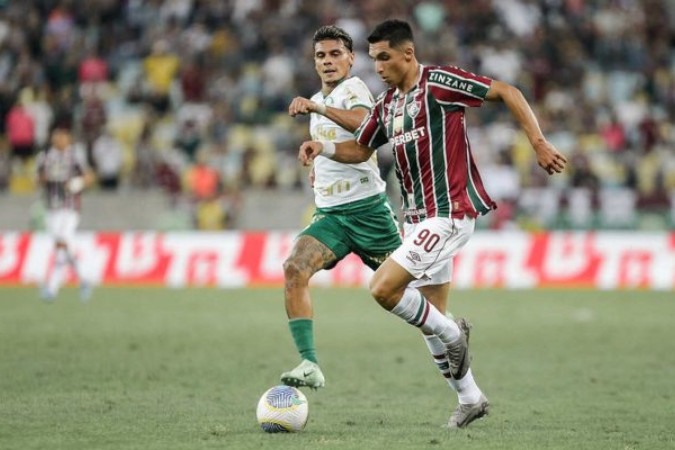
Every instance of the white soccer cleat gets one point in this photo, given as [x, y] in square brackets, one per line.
[46, 295]
[306, 374]
[465, 414]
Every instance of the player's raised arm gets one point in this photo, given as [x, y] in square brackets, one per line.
[349, 152]
[349, 119]
[548, 157]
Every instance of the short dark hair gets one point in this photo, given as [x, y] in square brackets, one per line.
[331, 32]
[395, 31]
[62, 124]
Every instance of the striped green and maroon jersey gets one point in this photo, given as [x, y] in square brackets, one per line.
[427, 130]
[57, 167]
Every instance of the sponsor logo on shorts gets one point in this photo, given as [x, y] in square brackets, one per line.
[413, 257]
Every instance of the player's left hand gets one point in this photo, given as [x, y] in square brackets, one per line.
[549, 158]
[300, 105]
[308, 151]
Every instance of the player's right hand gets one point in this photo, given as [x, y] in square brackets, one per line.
[75, 185]
[308, 151]
[300, 105]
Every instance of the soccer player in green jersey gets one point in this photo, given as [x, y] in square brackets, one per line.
[353, 214]
[421, 115]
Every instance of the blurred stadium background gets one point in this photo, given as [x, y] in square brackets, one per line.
[181, 107]
[184, 102]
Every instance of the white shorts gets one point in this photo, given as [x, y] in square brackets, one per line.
[430, 246]
[62, 223]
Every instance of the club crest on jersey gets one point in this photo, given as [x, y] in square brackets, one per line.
[413, 108]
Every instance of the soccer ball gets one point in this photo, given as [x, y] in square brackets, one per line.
[282, 409]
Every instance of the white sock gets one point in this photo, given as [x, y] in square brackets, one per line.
[417, 311]
[467, 389]
[58, 271]
[437, 349]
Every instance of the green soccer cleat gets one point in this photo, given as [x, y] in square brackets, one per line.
[306, 374]
[465, 414]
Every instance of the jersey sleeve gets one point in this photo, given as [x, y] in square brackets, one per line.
[452, 86]
[372, 133]
[356, 94]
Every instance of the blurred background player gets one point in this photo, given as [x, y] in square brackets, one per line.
[63, 174]
[422, 116]
[353, 214]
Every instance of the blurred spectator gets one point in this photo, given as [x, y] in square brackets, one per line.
[648, 130]
[614, 135]
[92, 74]
[37, 105]
[61, 26]
[430, 16]
[202, 182]
[107, 158]
[92, 69]
[277, 77]
[167, 176]
[502, 180]
[582, 174]
[210, 214]
[144, 160]
[189, 139]
[93, 118]
[160, 68]
[20, 127]
[5, 166]
[656, 199]
[193, 82]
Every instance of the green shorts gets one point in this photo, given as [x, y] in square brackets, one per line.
[365, 227]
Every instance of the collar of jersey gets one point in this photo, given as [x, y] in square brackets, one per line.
[397, 93]
[336, 86]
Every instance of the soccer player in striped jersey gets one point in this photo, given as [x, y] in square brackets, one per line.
[421, 115]
[353, 214]
[63, 173]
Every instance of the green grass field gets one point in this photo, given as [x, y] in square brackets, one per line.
[183, 369]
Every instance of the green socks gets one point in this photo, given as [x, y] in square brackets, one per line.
[302, 331]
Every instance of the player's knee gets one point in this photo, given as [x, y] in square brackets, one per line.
[294, 270]
[383, 294]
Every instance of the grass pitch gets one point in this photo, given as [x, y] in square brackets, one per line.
[183, 369]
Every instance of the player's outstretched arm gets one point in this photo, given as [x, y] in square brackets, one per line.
[548, 157]
[349, 152]
[349, 119]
